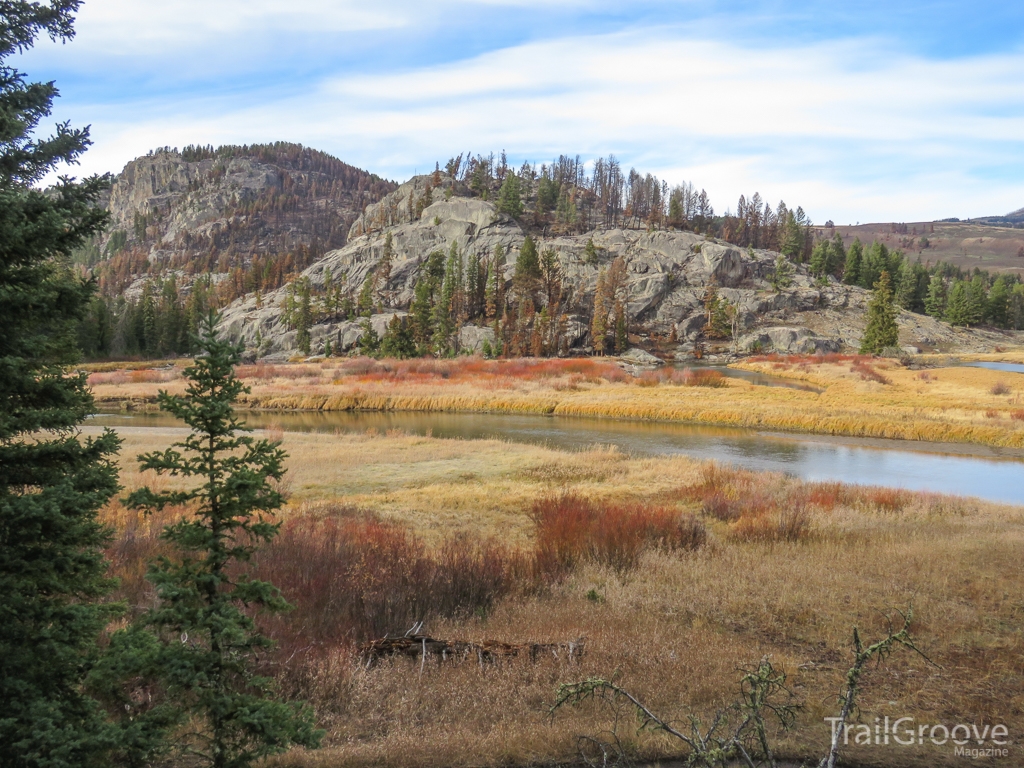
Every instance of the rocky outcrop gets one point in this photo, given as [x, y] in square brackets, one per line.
[668, 274]
[205, 211]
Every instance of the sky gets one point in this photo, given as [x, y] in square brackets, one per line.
[856, 111]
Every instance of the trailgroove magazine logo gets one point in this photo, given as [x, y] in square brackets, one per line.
[972, 740]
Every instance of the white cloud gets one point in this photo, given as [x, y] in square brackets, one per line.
[851, 130]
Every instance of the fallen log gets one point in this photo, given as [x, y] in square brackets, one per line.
[417, 646]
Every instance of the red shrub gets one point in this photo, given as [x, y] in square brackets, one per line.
[572, 528]
[886, 499]
[352, 577]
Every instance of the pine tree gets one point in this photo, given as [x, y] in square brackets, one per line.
[854, 261]
[976, 301]
[907, 289]
[881, 330]
[204, 617]
[420, 311]
[52, 482]
[782, 274]
[150, 332]
[382, 275]
[957, 309]
[446, 308]
[364, 303]
[935, 302]
[369, 341]
[998, 303]
[621, 335]
[599, 321]
[494, 299]
[398, 341]
[303, 317]
[510, 199]
[527, 262]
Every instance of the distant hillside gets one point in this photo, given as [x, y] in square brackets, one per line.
[1013, 219]
[248, 216]
[965, 244]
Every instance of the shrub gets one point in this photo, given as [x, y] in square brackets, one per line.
[571, 528]
[781, 525]
[1000, 388]
[353, 577]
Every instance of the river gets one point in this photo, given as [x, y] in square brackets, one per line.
[966, 470]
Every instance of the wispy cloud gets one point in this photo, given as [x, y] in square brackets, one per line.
[855, 128]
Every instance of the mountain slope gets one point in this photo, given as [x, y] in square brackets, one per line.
[246, 215]
[666, 277]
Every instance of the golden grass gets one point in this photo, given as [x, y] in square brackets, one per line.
[949, 405]
[674, 630]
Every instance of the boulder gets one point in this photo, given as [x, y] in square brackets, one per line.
[472, 338]
[724, 264]
[637, 356]
[790, 340]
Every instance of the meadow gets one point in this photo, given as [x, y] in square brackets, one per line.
[931, 400]
[677, 572]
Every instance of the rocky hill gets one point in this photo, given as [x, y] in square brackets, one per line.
[667, 276]
[246, 215]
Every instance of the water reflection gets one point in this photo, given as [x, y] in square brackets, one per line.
[1008, 367]
[883, 462]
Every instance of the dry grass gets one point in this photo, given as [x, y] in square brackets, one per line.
[860, 397]
[675, 628]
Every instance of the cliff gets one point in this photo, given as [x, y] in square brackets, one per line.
[668, 274]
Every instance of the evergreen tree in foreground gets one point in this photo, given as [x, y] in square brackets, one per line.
[52, 483]
[881, 331]
[206, 598]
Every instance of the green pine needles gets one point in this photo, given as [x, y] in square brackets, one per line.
[52, 482]
[881, 331]
[209, 640]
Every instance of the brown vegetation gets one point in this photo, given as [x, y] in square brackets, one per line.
[722, 578]
[860, 396]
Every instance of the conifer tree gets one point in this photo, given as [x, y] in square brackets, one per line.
[935, 302]
[420, 311]
[906, 292]
[976, 301]
[382, 275]
[998, 302]
[52, 482]
[527, 262]
[599, 321]
[881, 330]
[510, 199]
[209, 639]
[621, 336]
[398, 341]
[782, 274]
[957, 310]
[494, 299]
[854, 261]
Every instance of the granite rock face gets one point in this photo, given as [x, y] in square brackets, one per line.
[209, 212]
[668, 274]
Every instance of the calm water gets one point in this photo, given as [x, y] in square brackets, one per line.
[1008, 367]
[877, 462]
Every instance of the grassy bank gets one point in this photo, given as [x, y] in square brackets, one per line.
[861, 397]
[784, 568]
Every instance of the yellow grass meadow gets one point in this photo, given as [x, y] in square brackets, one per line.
[676, 629]
[861, 397]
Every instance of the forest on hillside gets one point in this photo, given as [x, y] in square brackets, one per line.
[530, 315]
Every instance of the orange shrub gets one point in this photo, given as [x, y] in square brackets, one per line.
[572, 528]
[782, 525]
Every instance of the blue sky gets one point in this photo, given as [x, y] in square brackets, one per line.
[870, 111]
